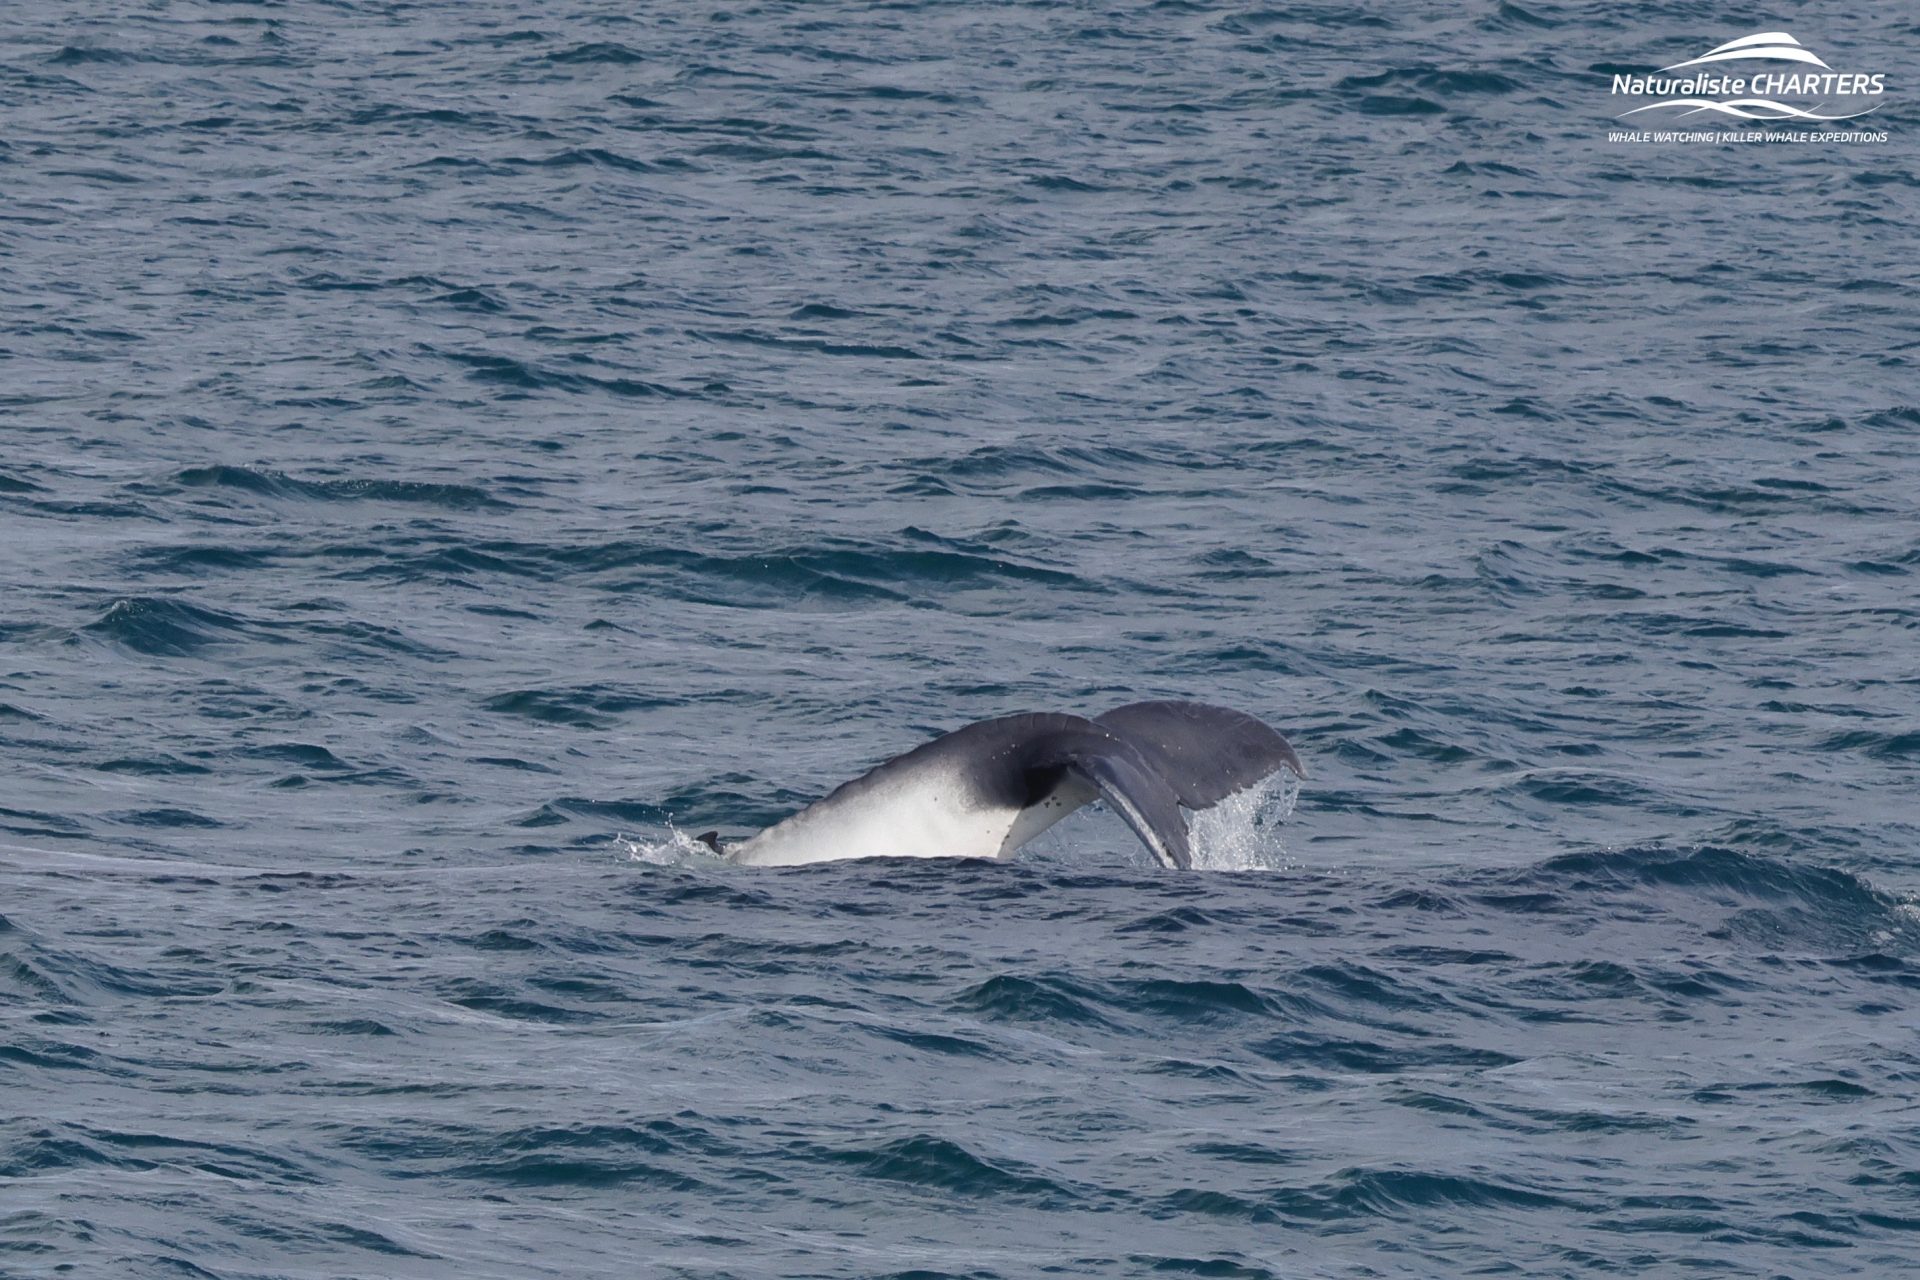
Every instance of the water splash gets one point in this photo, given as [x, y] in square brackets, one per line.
[674, 849]
[1242, 832]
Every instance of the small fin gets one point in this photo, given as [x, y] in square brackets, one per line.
[711, 839]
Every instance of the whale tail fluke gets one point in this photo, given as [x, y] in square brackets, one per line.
[984, 790]
[1205, 753]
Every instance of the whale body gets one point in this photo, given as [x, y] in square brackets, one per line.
[985, 790]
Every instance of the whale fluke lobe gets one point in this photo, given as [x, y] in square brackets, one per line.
[1127, 782]
[1205, 753]
[985, 790]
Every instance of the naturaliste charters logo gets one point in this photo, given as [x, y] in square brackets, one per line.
[1720, 96]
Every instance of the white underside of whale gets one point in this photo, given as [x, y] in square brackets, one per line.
[918, 817]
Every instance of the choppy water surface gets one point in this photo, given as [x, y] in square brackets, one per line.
[450, 448]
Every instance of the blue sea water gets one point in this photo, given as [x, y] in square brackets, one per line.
[454, 449]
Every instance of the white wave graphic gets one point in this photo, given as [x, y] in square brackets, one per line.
[1764, 37]
[1775, 45]
[1743, 108]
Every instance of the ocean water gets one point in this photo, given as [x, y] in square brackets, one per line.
[451, 451]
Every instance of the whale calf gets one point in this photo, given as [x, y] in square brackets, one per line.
[985, 790]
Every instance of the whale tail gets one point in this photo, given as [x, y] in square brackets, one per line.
[985, 790]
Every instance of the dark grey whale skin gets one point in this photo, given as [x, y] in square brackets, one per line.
[1146, 760]
[1205, 752]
